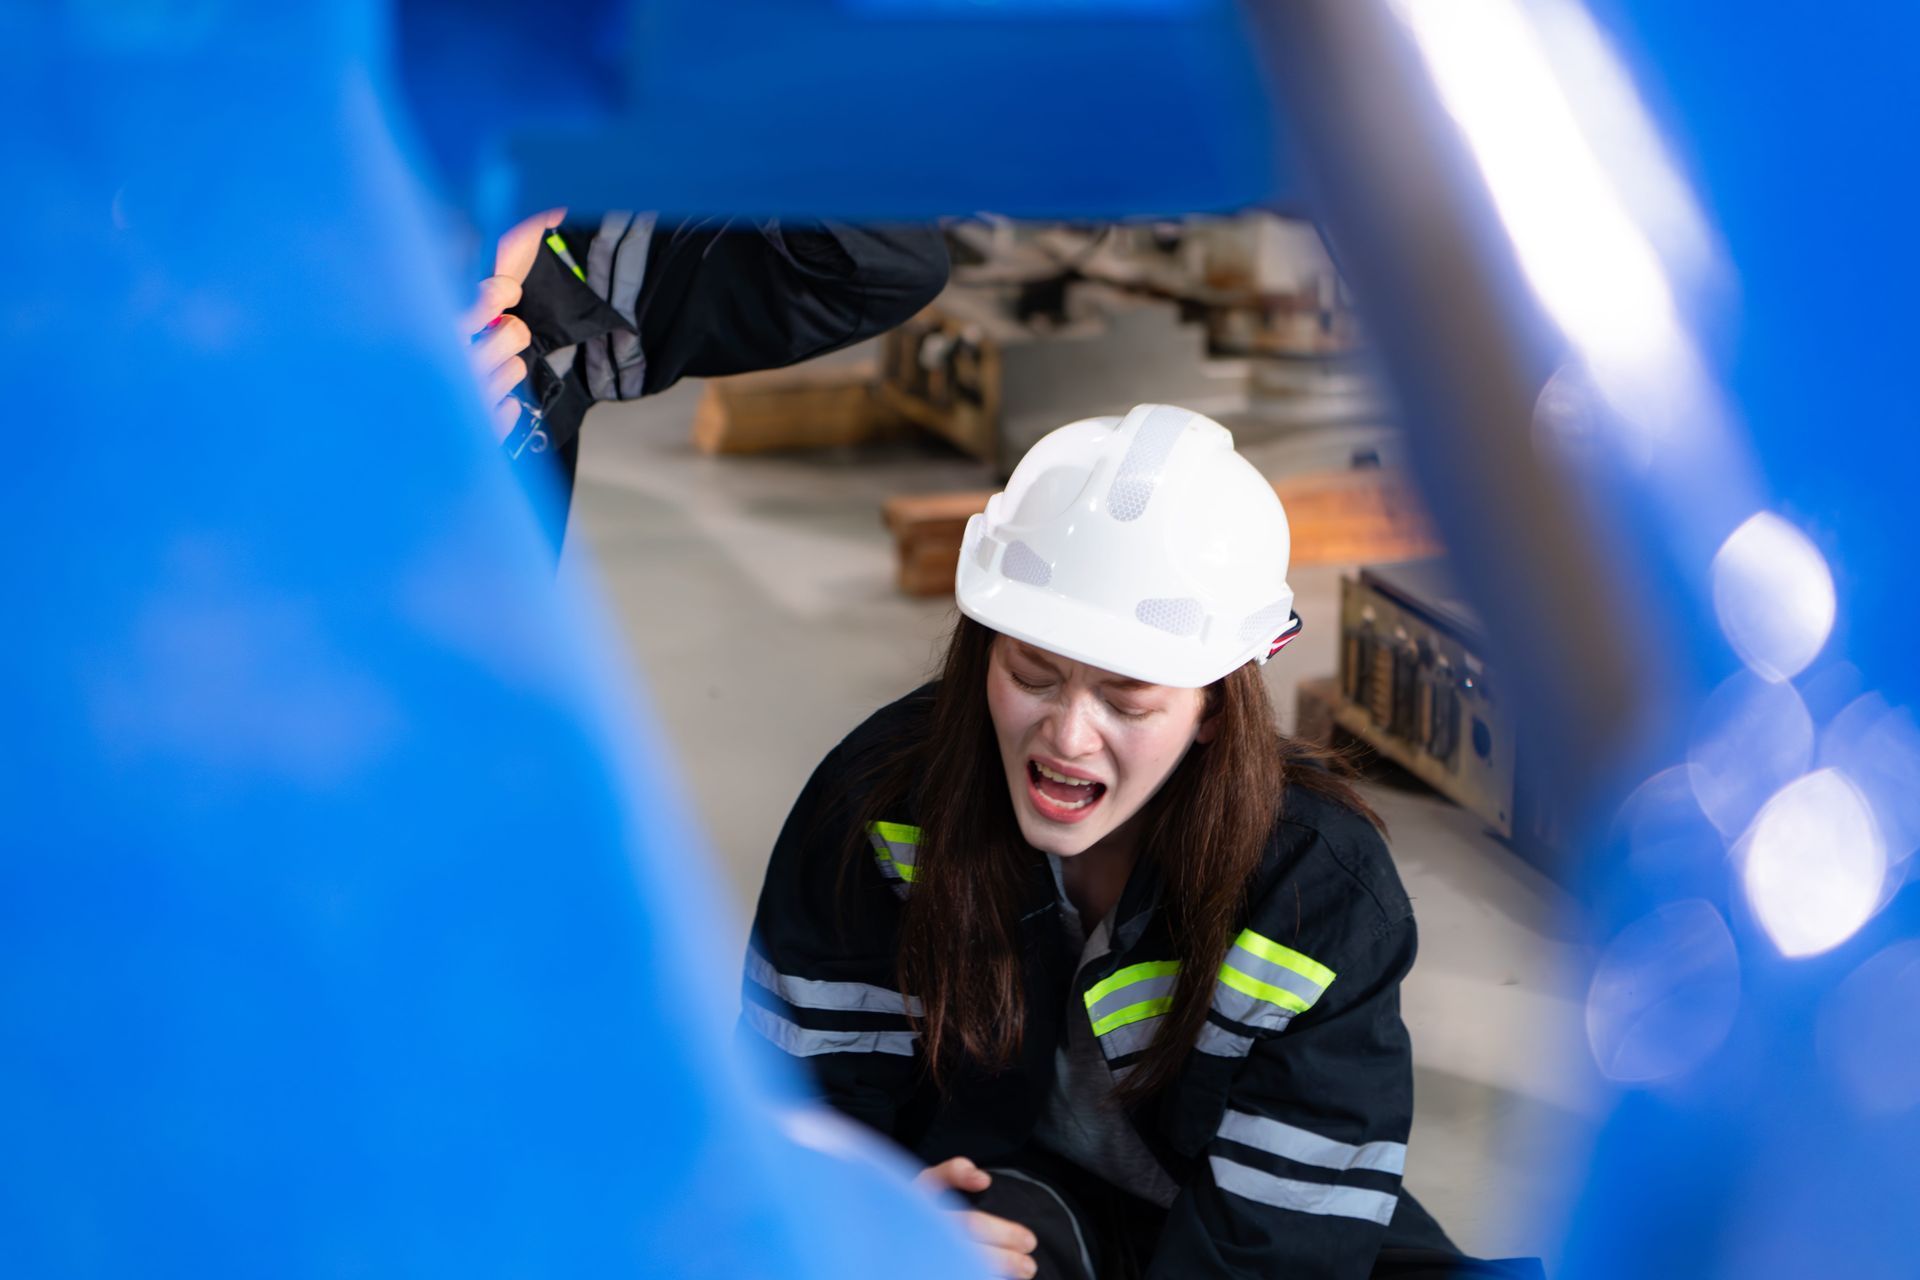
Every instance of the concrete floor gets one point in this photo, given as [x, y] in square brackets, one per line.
[757, 597]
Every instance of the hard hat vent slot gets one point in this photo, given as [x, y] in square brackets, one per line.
[1022, 564]
[1181, 617]
[1146, 458]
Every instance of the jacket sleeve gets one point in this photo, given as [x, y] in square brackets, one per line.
[819, 984]
[1303, 1173]
[713, 298]
[732, 299]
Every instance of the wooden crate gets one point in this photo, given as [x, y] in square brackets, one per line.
[927, 529]
[1337, 517]
[808, 406]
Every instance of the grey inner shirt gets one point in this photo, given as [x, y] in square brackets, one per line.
[1081, 1122]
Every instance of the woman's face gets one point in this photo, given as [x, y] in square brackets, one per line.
[1084, 749]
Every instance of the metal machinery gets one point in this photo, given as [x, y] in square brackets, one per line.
[1414, 686]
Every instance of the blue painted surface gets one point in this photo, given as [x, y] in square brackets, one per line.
[1768, 1159]
[346, 930]
[348, 924]
[913, 109]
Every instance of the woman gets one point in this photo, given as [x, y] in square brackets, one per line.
[1153, 952]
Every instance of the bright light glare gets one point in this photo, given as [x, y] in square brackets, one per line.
[1666, 834]
[1774, 595]
[1622, 135]
[1750, 739]
[1813, 864]
[1590, 263]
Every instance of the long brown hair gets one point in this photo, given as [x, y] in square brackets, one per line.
[1206, 828]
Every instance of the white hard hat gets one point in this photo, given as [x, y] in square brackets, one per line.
[1143, 545]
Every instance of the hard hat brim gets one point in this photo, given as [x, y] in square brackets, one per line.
[1047, 620]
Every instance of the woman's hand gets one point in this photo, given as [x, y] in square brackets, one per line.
[497, 339]
[1009, 1245]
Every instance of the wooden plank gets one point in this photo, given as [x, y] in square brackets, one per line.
[1370, 516]
[1337, 517]
[927, 567]
[807, 406]
[907, 514]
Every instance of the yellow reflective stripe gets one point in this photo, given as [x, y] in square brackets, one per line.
[1132, 1013]
[1286, 957]
[559, 247]
[1262, 991]
[1131, 974]
[882, 833]
[895, 831]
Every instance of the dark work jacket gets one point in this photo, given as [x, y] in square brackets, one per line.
[1286, 1129]
[702, 299]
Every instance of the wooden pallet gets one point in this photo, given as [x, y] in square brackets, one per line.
[808, 406]
[1337, 517]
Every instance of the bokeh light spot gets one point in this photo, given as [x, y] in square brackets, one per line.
[1750, 739]
[1774, 596]
[1813, 864]
[1664, 994]
[1869, 1032]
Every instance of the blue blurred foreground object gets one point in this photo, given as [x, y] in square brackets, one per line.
[347, 927]
[1652, 390]
[879, 109]
[346, 931]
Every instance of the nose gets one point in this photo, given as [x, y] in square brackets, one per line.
[1071, 731]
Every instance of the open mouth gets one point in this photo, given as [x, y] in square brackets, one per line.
[1059, 796]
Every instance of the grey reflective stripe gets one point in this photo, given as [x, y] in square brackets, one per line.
[901, 852]
[805, 1042]
[1139, 475]
[815, 993]
[1249, 1010]
[1222, 1043]
[1132, 1038]
[1274, 975]
[1302, 1197]
[1310, 1148]
[1133, 993]
[895, 858]
[598, 351]
[1086, 1258]
[629, 271]
[883, 857]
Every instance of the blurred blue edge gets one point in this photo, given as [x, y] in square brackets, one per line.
[351, 921]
